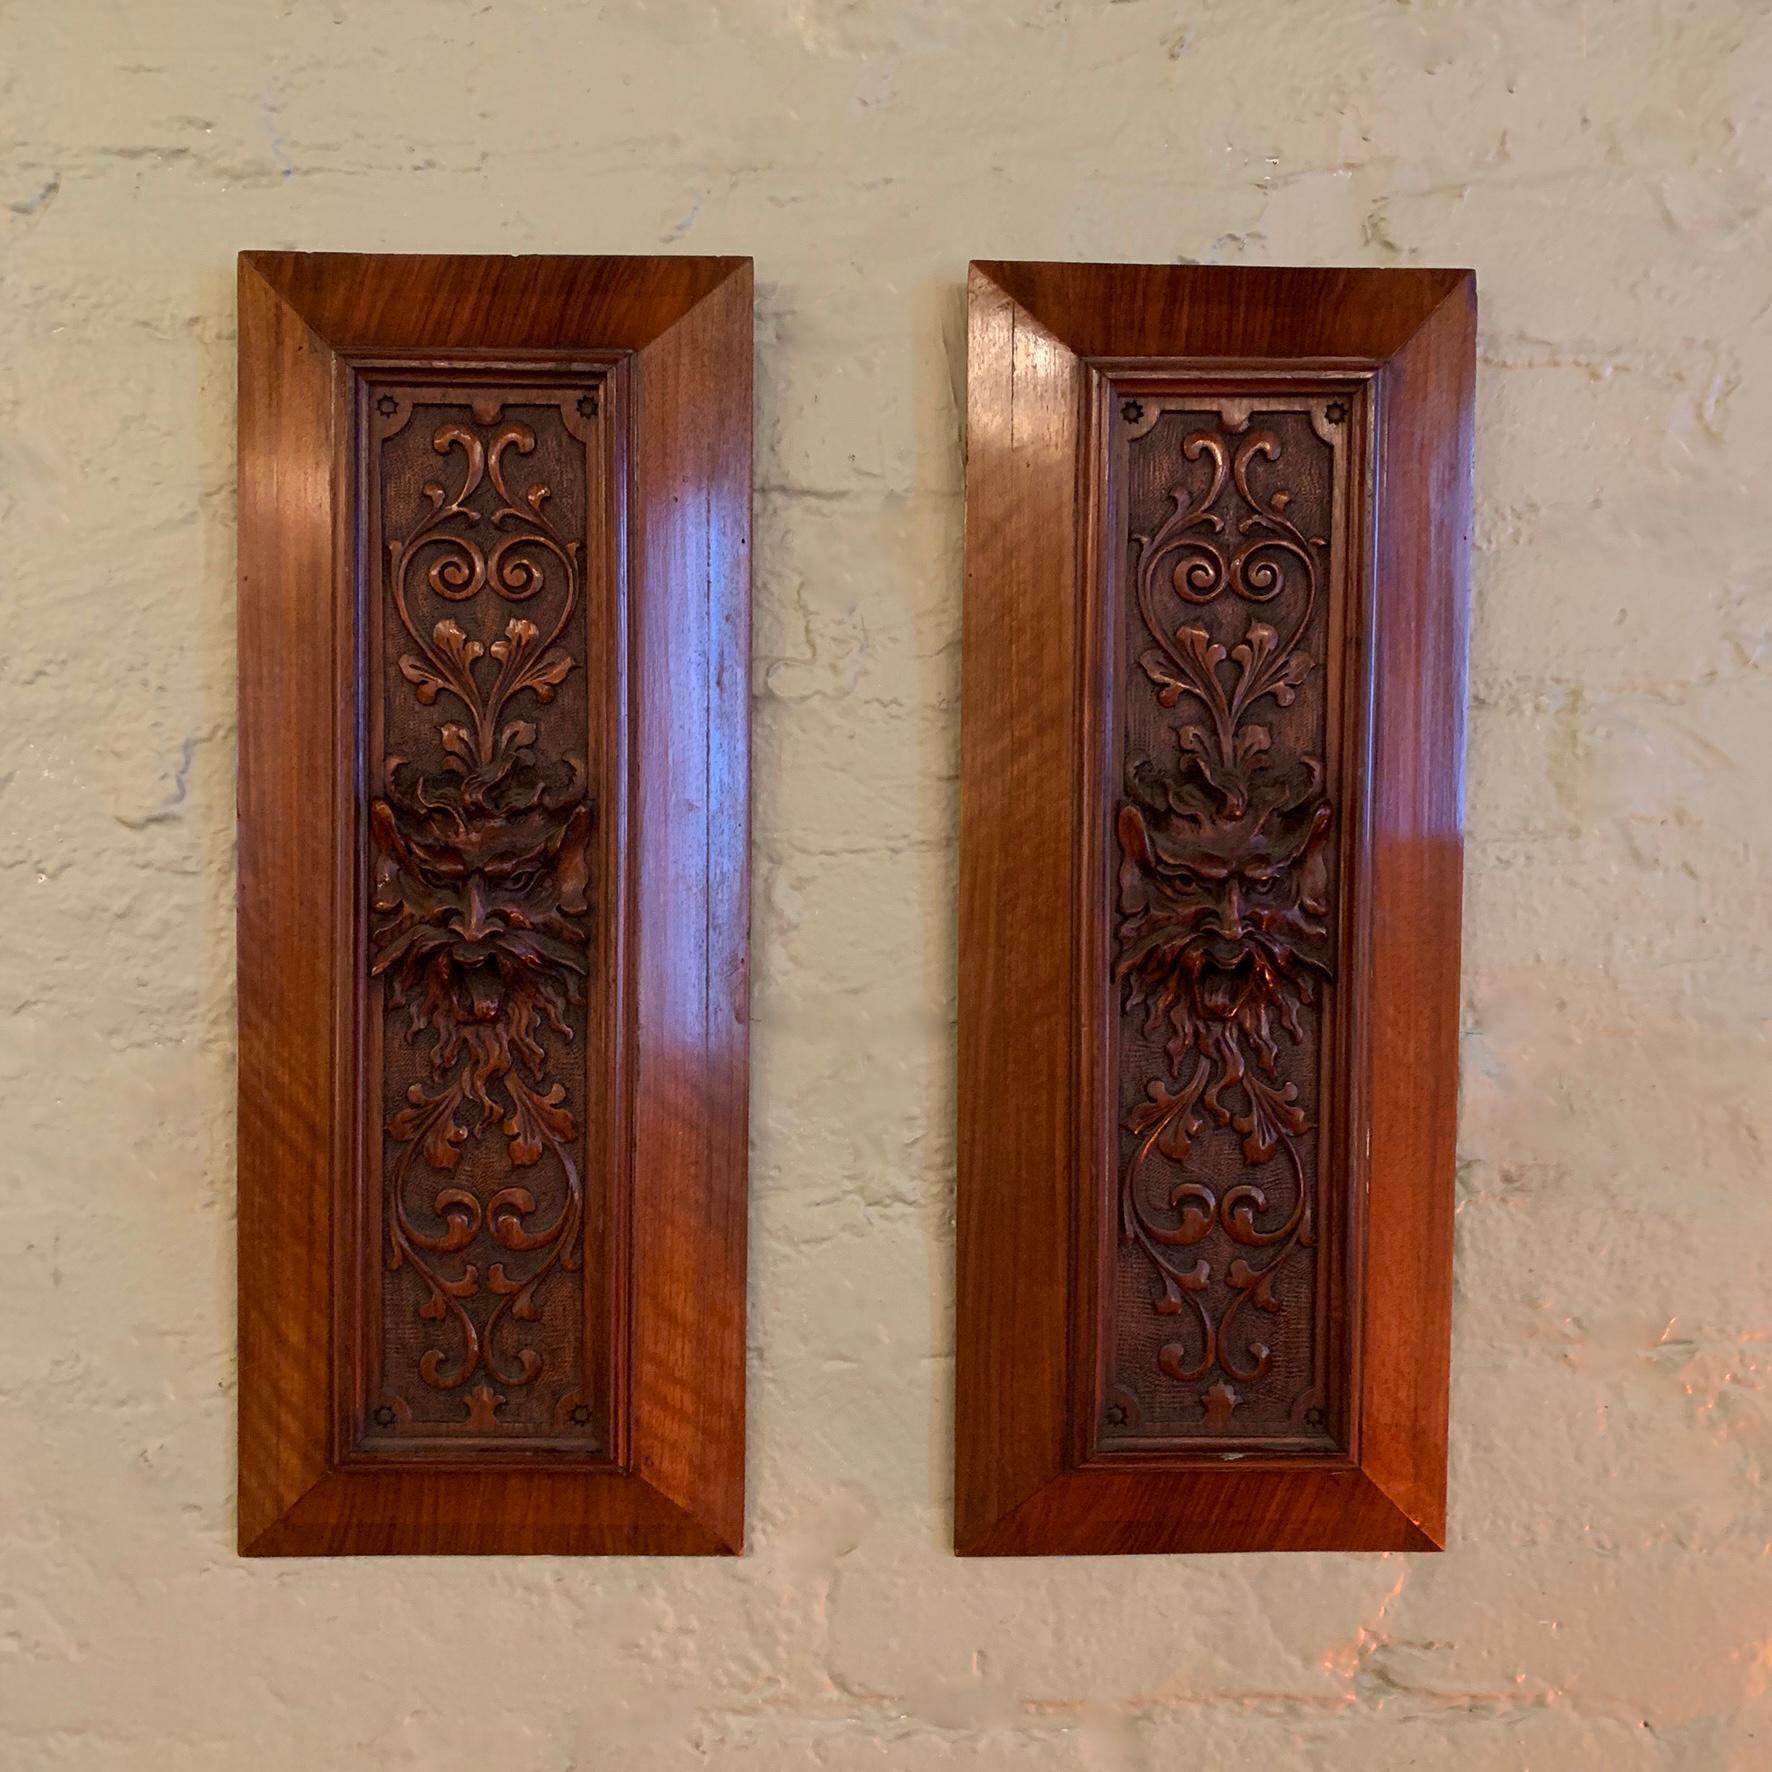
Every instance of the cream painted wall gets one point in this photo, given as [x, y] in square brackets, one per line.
[1607, 1602]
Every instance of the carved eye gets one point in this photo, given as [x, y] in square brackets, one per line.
[1264, 885]
[522, 880]
[435, 877]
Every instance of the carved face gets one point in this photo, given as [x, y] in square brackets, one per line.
[487, 910]
[1225, 903]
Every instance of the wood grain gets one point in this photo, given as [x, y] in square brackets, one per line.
[673, 339]
[1058, 355]
[1019, 832]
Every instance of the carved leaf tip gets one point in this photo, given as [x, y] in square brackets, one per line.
[1219, 1403]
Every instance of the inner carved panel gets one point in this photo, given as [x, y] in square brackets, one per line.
[482, 1324]
[1222, 1298]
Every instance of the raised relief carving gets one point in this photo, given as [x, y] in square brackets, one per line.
[1224, 944]
[481, 897]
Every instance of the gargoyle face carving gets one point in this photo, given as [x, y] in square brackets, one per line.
[1226, 895]
[482, 905]
[487, 903]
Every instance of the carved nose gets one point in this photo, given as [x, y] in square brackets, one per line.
[1230, 912]
[474, 911]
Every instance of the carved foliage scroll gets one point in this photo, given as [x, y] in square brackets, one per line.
[482, 1322]
[1223, 1294]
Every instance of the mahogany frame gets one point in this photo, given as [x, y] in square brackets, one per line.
[675, 335]
[1045, 340]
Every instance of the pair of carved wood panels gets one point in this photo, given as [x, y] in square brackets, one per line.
[494, 614]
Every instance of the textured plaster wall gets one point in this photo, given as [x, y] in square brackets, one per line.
[1608, 1600]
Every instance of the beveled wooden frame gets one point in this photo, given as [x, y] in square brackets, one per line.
[1047, 342]
[674, 336]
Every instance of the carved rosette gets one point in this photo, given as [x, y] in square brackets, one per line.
[1218, 1318]
[481, 888]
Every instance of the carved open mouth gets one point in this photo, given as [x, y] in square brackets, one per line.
[476, 964]
[1223, 973]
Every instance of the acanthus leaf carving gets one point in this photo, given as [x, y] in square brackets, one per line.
[481, 891]
[1224, 941]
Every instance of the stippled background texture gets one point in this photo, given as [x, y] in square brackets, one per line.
[1607, 168]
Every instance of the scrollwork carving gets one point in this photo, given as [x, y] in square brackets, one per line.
[480, 893]
[1224, 887]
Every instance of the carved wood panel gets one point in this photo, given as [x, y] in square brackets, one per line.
[491, 899]
[494, 550]
[1217, 549]
[1223, 1298]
